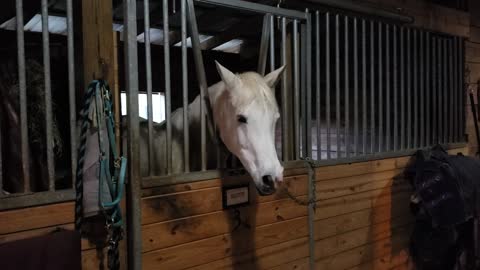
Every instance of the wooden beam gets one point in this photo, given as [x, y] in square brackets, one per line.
[94, 36]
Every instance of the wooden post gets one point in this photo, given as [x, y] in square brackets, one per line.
[94, 36]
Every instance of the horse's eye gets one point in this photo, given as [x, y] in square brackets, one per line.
[242, 119]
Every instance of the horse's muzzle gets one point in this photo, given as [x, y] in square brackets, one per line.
[267, 187]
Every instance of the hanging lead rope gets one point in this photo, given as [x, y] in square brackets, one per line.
[101, 114]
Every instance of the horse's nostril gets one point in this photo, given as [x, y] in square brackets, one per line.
[267, 180]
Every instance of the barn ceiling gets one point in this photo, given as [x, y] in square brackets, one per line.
[221, 29]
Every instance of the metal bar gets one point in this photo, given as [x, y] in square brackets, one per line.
[257, 8]
[395, 89]
[202, 79]
[402, 89]
[347, 92]
[428, 91]
[296, 89]
[415, 90]
[337, 83]
[380, 89]
[23, 97]
[186, 126]
[285, 139]
[422, 80]
[148, 71]
[327, 82]
[308, 81]
[372, 87]
[71, 91]
[48, 97]
[364, 88]
[462, 90]
[456, 89]
[272, 43]
[445, 91]
[134, 210]
[168, 95]
[387, 88]
[262, 56]
[409, 90]
[365, 9]
[317, 84]
[303, 84]
[450, 92]
[434, 92]
[439, 93]
[24, 200]
[355, 83]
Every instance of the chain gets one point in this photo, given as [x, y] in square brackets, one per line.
[310, 164]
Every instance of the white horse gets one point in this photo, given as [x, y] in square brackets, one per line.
[245, 113]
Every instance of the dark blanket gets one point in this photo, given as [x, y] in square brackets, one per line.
[56, 251]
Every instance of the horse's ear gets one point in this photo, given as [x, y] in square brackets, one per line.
[227, 76]
[273, 77]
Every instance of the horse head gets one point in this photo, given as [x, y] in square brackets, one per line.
[245, 112]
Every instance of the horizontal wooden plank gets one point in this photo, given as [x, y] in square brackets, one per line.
[301, 264]
[218, 247]
[91, 260]
[342, 242]
[369, 217]
[166, 234]
[359, 168]
[262, 258]
[184, 204]
[43, 231]
[36, 217]
[363, 254]
[397, 196]
[390, 261]
[350, 185]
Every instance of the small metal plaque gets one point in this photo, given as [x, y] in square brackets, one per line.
[235, 196]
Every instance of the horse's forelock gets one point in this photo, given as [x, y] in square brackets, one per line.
[254, 89]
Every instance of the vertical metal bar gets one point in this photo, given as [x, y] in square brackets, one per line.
[364, 88]
[262, 59]
[272, 43]
[435, 138]
[337, 82]
[134, 186]
[317, 84]
[380, 89]
[428, 91]
[303, 84]
[462, 90]
[450, 92]
[168, 95]
[148, 71]
[409, 89]
[186, 126]
[415, 90]
[23, 97]
[372, 87]
[387, 88]
[456, 90]
[422, 80]
[285, 139]
[309, 83]
[445, 91]
[355, 83]
[439, 92]
[202, 79]
[327, 82]
[395, 89]
[48, 96]
[347, 92]
[296, 89]
[402, 89]
[71, 91]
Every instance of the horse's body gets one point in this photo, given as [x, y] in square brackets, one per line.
[233, 100]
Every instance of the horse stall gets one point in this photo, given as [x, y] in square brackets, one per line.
[302, 118]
